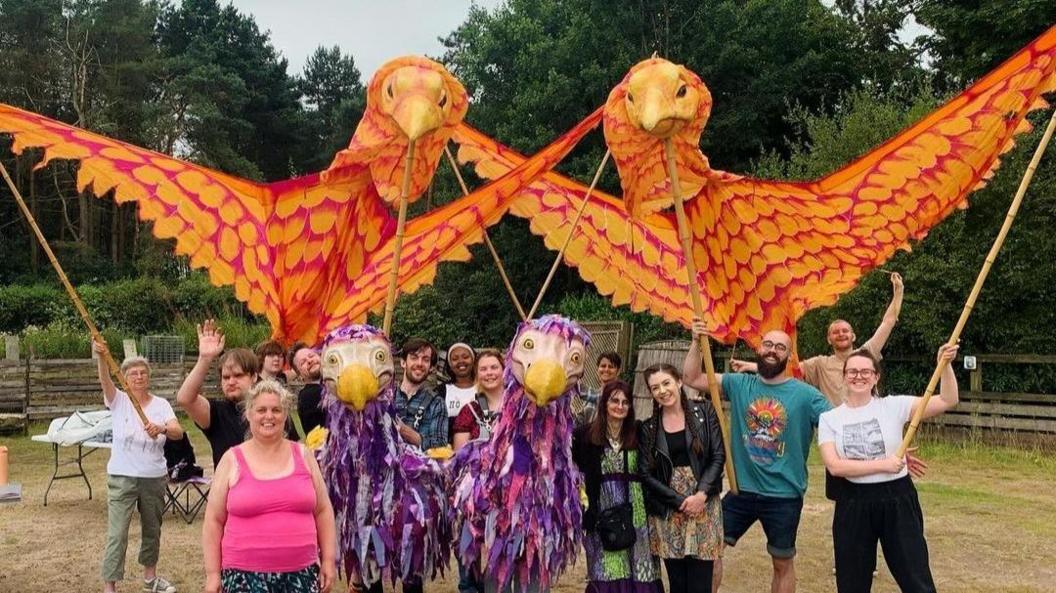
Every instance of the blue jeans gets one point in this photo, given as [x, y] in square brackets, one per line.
[779, 517]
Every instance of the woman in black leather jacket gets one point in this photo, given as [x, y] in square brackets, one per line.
[682, 456]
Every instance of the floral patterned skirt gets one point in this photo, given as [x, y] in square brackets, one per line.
[305, 580]
[680, 535]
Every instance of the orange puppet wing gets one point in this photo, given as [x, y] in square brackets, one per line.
[216, 219]
[766, 251]
[444, 234]
[638, 261]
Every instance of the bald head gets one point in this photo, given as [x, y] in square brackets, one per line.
[773, 353]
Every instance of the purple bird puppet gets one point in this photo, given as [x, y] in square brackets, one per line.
[389, 498]
[516, 502]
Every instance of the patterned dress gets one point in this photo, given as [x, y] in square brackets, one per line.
[680, 535]
[634, 570]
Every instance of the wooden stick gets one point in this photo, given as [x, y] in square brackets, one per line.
[77, 302]
[698, 308]
[571, 233]
[401, 223]
[487, 240]
[1013, 209]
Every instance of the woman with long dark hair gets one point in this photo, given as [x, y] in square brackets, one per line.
[859, 441]
[681, 465]
[605, 450]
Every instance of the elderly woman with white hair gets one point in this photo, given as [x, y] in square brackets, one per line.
[136, 472]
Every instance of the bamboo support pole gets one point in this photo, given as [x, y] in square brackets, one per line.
[401, 224]
[698, 308]
[571, 233]
[77, 302]
[1013, 209]
[487, 240]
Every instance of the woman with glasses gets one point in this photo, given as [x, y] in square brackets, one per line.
[605, 450]
[682, 458]
[859, 441]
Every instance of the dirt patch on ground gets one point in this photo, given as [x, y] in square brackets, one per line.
[991, 527]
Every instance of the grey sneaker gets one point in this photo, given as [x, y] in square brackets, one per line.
[158, 585]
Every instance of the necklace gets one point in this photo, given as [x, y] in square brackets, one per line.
[614, 441]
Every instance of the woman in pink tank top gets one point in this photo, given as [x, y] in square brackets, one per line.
[269, 526]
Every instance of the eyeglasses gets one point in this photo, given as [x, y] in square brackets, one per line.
[776, 347]
[855, 373]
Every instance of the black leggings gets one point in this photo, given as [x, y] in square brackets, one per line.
[889, 513]
[689, 574]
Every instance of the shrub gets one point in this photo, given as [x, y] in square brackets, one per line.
[21, 306]
[61, 339]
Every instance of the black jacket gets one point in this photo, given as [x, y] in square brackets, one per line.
[655, 464]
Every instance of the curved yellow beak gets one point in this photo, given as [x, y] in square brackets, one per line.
[417, 116]
[544, 381]
[357, 385]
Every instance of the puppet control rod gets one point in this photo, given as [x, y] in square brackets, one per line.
[1013, 209]
[77, 302]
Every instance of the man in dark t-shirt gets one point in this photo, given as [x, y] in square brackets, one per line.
[221, 420]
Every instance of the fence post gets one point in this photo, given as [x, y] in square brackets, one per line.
[975, 377]
[11, 349]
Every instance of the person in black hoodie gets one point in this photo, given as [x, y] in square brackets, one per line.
[606, 451]
[682, 456]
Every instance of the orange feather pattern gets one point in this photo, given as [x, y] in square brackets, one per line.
[768, 251]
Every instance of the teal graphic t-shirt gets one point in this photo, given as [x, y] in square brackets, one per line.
[771, 428]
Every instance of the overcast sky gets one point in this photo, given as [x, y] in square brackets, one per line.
[373, 31]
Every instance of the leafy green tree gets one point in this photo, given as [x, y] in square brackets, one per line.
[334, 96]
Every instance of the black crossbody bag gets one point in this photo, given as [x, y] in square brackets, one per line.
[615, 525]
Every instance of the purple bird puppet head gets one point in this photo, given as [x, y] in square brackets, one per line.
[357, 365]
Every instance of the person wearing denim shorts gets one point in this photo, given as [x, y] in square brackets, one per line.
[772, 420]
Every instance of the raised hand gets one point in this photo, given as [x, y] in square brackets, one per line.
[210, 340]
[700, 330]
[896, 284]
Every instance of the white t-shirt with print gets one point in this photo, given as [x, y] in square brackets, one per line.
[134, 453]
[872, 431]
[455, 397]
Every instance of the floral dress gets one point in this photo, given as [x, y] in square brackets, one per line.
[636, 569]
[680, 535]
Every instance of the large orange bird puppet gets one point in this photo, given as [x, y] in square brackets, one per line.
[765, 251]
[315, 252]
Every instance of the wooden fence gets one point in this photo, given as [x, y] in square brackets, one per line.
[40, 389]
[979, 409]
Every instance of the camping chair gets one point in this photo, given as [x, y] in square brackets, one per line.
[187, 488]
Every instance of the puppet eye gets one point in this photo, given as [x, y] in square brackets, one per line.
[577, 357]
[389, 91]
[380, 356]
[333, 358]
[681, 92]
[443, 100]
[630, 97]
[528, 344]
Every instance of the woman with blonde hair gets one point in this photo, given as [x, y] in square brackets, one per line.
[269, 525]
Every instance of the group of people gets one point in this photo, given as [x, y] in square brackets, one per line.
[653, 488]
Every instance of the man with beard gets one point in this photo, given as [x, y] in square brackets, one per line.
[305, 362]
[773, 417]
[423, 418]
[221, 420]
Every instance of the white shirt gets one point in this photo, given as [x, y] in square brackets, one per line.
[872, 431]
[134, 453]
[455, 397]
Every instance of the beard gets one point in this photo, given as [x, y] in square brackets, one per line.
[769, 369]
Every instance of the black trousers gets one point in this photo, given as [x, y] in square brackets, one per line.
[888, 513]
[689, 574]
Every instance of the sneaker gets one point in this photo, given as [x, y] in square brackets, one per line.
[158, 585]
